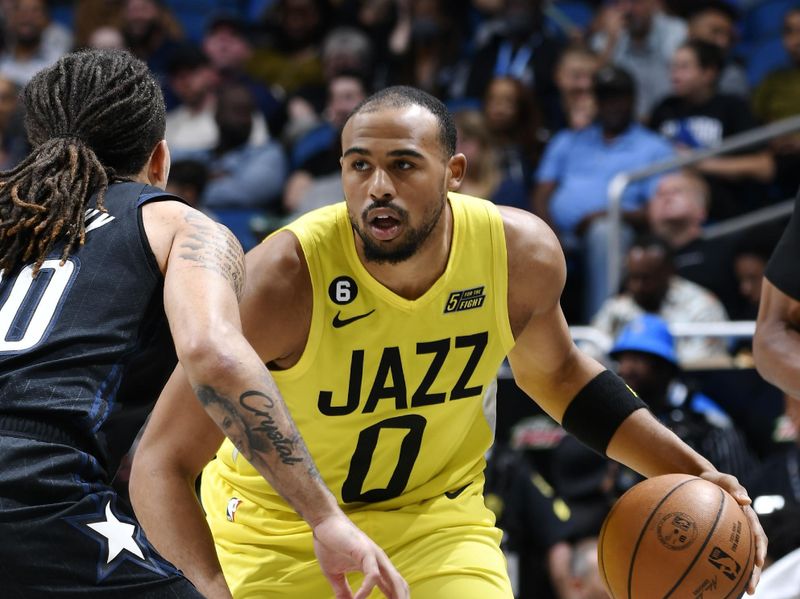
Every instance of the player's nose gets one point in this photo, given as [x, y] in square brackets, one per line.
[381, 186]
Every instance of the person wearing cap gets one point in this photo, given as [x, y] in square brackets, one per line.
[646, 360]
[573, 199]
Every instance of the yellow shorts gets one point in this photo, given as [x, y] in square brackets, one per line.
[443, 547]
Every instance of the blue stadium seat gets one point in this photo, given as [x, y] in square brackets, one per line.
[764, 20]
[765, 57]
[239, 222]
[579, 13]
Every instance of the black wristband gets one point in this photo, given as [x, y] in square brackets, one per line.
[599, 408]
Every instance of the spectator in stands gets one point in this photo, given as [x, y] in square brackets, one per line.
[514, 121]
[637, 36]
[151, 33]
[697, 116]
[648, 363]
[13, 141]
[576, 107]
[106, 37]
[778, 97]
[191, 125]
[91, 15]
[426, 52]
[241, 176]
[714, 21]
[585, 578]
[780, 473]
[651, 287]
[32, 41]
[288, 53]
[345, 50]
[517, 48]
[533, 524]
[676, 213]
[228, 47]
[316, 173]
[574, 198]
[485, 178]
[749, 262]
[188, 179]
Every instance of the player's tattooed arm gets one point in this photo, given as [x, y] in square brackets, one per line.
[260, 427]
[212, 246]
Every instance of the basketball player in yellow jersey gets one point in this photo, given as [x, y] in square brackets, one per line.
[383, 320]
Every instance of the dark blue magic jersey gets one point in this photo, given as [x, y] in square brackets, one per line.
[85, 347]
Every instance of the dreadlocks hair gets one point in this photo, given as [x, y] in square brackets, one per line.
[92, 117]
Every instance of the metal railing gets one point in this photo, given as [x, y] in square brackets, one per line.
[620, 182]
[751, 219]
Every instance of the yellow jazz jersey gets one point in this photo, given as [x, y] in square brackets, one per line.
[391, 395]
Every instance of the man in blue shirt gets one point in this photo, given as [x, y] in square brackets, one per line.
[572, 181]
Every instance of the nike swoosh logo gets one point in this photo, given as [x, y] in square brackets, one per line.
[338, 323]
[456, 493]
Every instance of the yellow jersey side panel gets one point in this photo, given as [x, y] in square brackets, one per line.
[389, 394]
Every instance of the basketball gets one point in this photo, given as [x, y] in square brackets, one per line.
[676, 536]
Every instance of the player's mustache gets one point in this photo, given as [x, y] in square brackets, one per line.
[402, 213]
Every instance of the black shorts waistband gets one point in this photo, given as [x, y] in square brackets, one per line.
[48, 432]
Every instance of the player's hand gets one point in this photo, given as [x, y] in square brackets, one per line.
[739, 493]
[341, 547]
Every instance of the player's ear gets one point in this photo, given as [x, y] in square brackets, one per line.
[158, 166]
[456, 170]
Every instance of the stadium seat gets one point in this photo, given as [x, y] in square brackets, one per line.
[764, 20]
[765, 57]
[239, 222]
[560, 12]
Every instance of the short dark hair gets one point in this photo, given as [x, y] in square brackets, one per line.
[92, 116]
[186, 57]
[613, 81]
[719, 6]
[401, 96]
[650, 241]
[189, 172]
[356, 74]
[709, 56]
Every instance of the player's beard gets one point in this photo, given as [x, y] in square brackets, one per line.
[411, 240]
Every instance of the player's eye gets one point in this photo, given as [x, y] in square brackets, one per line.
[360, 165]
[404, 165]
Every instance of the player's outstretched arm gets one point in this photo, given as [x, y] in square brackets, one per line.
[776, 343]
[549, 367]
[204, 276]
[179, 440]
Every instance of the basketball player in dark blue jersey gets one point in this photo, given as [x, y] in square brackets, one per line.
[106, 280]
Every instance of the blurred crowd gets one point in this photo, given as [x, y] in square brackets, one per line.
[552, 100]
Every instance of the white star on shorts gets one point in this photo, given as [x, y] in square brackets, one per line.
[119, 535]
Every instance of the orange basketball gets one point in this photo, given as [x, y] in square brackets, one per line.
[676, 536]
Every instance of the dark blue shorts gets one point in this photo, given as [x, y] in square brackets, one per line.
[64, 532]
